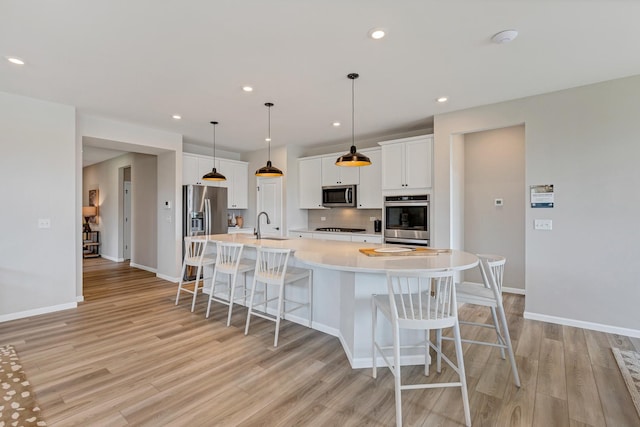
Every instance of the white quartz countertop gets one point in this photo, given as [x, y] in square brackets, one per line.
[345, 256]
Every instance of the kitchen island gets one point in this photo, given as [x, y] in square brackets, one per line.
[344, 280]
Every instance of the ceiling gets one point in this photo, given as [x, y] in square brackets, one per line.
[143, 61]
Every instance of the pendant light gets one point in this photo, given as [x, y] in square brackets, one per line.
[214, 175]
[269, 170]
[353, 158]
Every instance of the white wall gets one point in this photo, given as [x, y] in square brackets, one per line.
[37, 170]
[169, 220]
[584, 141]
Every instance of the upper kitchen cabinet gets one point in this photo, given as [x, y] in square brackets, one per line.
[338, 175]
[407, 163]
[370, 189]
[310, 183]
[194, 167]
[237, 183]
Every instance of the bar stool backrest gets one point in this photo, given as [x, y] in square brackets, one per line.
[422, 300]
[271, 265]
[195, 249]
[492, 271]
[228, 257]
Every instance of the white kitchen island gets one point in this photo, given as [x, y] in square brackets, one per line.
[344, 280]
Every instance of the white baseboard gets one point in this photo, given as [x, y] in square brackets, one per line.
[506, 289]
[80, 298]
[37, 311]
[582, 324]
[517, 291]
[110, 258]
[168, 278]
[143, 267]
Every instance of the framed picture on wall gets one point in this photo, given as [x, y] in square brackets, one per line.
[93, 201]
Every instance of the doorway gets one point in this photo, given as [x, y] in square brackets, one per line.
[494, 200]
[270, 201]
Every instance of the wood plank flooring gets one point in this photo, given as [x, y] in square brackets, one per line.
[129, 356]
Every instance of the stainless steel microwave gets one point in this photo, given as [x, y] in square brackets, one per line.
[339, 196]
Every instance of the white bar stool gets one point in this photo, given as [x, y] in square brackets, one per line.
[194, 256]
[272, 270]
[229, 261]
[423, 301]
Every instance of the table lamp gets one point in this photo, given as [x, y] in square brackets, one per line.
[88, 212]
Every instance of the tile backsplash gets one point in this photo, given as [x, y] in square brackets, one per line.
[343, 217]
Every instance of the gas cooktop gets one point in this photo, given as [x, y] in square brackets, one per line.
[341, 230]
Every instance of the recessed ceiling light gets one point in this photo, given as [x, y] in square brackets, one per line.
[377, 33]
[247, 88]
[15, 60]
[505, 36]
[442, 99]
[268, 139]
[336, 124]
[177, 116]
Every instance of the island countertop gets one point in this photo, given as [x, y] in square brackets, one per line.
[345, 256]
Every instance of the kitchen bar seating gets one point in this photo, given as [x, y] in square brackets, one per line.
[419, 301]
[194, 256]
[272, 269]
[490, 295]
[229, 262]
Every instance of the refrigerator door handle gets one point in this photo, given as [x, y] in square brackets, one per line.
[207, 216]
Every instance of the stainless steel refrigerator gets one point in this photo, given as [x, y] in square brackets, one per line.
[204, 211]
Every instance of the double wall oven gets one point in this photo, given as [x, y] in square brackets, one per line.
[406, 220]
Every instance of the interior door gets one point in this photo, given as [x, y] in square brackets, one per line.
[270, 201]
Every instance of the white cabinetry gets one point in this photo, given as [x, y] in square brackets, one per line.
[301, 235]
[237, 183]
[407, 163]
[310, 183]
[344, 237]
[194, 167]
[338, 175]
[370, 189]
[367, 239]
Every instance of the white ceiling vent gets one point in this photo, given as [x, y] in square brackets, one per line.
[505, 36]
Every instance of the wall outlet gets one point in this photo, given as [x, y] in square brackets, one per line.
[372, 218]
[44, 223]
[323, 218]
[543, 224]
[498, 202]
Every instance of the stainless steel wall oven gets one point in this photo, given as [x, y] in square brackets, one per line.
[406, 220]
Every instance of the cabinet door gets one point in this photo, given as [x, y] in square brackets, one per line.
[301, 235]
[241, 184]
[310, 183]
[190, 170]
[205, 164]
[370, 189]
[393, 167]
[367, 239]
[418, 163]
[330, 172]
[338, 175]
[237, 183]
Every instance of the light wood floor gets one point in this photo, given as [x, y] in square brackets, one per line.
[129, 356]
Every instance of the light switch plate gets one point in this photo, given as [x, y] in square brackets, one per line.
[543, 224]
[323, 218]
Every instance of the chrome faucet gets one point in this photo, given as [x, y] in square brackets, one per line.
[258, 234]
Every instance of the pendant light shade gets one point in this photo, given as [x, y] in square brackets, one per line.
[269, 170]
[353, 158]
[214, 175]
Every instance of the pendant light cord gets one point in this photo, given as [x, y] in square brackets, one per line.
[353, 111]
[269, 132]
